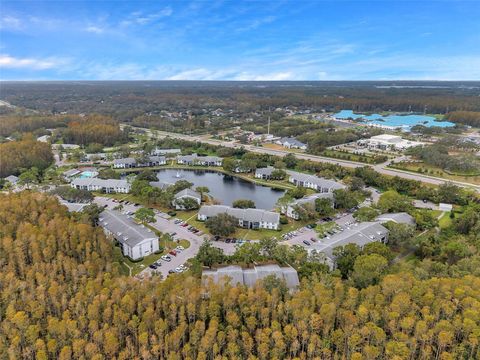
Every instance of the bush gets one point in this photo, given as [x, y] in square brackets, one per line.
[283, 220]
[172, 213]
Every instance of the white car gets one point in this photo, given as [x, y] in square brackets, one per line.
[179, 248]
[178, 269]
[166, 258]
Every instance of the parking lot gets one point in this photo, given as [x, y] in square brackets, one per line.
[166, 224]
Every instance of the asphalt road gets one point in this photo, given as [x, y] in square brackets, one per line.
[381, 168]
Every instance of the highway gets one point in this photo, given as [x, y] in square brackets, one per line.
[381, 168]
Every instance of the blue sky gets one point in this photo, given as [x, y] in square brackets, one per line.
[240, 40]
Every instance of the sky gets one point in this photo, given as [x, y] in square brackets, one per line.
[240, 40]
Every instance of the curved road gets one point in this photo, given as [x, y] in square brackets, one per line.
[381, 168]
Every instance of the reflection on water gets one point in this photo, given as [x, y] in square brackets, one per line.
[225, 188]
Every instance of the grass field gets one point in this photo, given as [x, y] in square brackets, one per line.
[445, 221]
[367, 159]
[422, 168]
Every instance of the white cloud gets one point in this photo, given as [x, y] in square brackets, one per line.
[257, 23]
[10, 62]
[276, 76]
[94, 29]
[10, 23]
[199, 74]
[140, 18]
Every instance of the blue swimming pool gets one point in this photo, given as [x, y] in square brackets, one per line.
[88, 174]
[403, 121]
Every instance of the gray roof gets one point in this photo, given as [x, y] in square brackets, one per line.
[128, 160]
[124, 229]
[101, 182]
[188, 192]
[311, 199]
[249, 277]
[156, 158]
[265, 171]
[12, 179]
[292, 141]
[358, 233]
[400, 218]
[252, 215]
[158, 151]
[195, 157]
[160, 184]
[322, 182]
[71, 172]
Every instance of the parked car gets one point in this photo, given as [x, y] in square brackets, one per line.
[171, 271]
[180, 247]
[166, 258]
[306, 242]
[313, 239]
[178, 269]
[173, 252]
[152, 266]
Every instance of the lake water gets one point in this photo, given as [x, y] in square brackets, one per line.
[403, 121]
[225, 188]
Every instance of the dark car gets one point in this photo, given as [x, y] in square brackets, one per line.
[228, 240]
[306, 242]
[152, 266]
[173, 252]
[171, 271]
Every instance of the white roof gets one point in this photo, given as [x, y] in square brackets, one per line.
[445, 207]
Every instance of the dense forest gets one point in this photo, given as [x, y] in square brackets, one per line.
[128, 100]
[471, 118]
[24, 154]
[93, 129]
[62, 297]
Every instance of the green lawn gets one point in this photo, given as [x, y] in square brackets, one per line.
[445, 221]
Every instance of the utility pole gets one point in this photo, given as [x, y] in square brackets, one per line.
[268, 127]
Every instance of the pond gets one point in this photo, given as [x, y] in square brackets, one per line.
[225, 188]
[403, 121]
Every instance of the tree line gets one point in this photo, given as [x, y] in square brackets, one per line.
[17, 156]
[62, 297]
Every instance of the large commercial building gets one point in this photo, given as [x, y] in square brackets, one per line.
[103, 185]
[388, 142]
[136, 241]
[247, 218]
